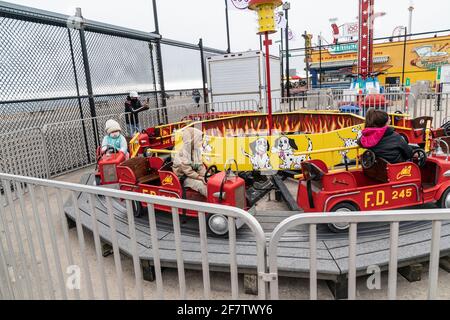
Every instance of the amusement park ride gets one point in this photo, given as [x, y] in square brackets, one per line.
[249, 154]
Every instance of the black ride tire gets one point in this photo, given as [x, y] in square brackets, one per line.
[341, 207]
[442, 201]
[138, 209]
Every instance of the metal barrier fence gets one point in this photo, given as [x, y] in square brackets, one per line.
[389, 102]
[41, 259]
[59, 148]
[436, 216]
[233, 106]
[310, 101]
[435, 105]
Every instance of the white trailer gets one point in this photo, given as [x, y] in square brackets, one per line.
[242, 76]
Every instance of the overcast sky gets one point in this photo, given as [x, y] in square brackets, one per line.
[189, 20]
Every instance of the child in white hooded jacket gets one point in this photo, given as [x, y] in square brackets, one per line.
[114, 138]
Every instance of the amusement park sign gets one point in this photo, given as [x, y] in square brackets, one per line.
[238, 4]
[343, 48]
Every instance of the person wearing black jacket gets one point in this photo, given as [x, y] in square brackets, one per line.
[383, 140]
[132, 108]
[196, 96]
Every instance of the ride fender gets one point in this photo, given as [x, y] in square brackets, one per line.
[442, 189]
[332, 203]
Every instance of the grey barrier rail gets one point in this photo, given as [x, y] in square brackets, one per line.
[71, 145]
[233, 106]
[40, 232]
[309, 101]
[394, 218]
[61, 147]
[389, 102]
[435, 105]
[24, 153]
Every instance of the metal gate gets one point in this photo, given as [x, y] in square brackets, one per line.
[40, 258]
[394, 218]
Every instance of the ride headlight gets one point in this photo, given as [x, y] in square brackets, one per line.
[109, 173]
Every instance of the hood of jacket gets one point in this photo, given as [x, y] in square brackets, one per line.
[372, 136]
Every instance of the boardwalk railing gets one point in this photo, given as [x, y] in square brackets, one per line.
[394, 218]
[40, 259]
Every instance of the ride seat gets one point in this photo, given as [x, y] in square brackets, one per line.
[378, 171]
[313, 171]
[421, 122]
[141, 170]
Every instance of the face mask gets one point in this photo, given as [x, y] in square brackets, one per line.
[114, 135]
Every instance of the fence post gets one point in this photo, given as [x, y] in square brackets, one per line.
[202, 56]
[45, 151]
[159, 61]
[154, 82]
[87, 72]
[78, 96]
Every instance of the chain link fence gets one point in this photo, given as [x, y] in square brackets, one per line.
[61, 81]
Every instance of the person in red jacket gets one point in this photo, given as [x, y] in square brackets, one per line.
[383, 140]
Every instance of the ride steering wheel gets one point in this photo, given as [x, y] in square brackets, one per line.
[212, 170]
[110, 149]
[368, 159]
[398, 118]
[419, 157]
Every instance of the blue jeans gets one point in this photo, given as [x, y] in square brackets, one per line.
[133, 128]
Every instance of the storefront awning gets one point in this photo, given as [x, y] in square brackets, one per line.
[345, 63]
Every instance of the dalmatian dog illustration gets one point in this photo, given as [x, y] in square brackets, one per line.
[260, 154]
[206, 147]
[286, 148]
[348, 142]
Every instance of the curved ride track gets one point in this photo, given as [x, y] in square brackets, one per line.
[293, 250]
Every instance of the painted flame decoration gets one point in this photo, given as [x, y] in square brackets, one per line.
[283, 123]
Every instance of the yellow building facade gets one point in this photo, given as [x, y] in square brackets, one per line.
[422, 58]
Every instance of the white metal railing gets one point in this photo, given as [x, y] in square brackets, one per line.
[389, 102]
[314, 101]
[41, 202]
[36, 207]
[436, 216]
[436, 105]
[62, 147]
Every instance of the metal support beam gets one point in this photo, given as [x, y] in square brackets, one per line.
[202, 57]
[87, 72]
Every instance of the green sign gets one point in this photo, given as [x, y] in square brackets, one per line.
[439, 73]
[408, 82]
[343, 48]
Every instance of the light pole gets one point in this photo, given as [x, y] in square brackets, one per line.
[228, 27]
[411, 10]
[286, 8]
[266, 20]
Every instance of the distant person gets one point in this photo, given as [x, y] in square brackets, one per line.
[196, 96]
[132, 108]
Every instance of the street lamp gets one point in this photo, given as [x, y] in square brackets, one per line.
[286, 8]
